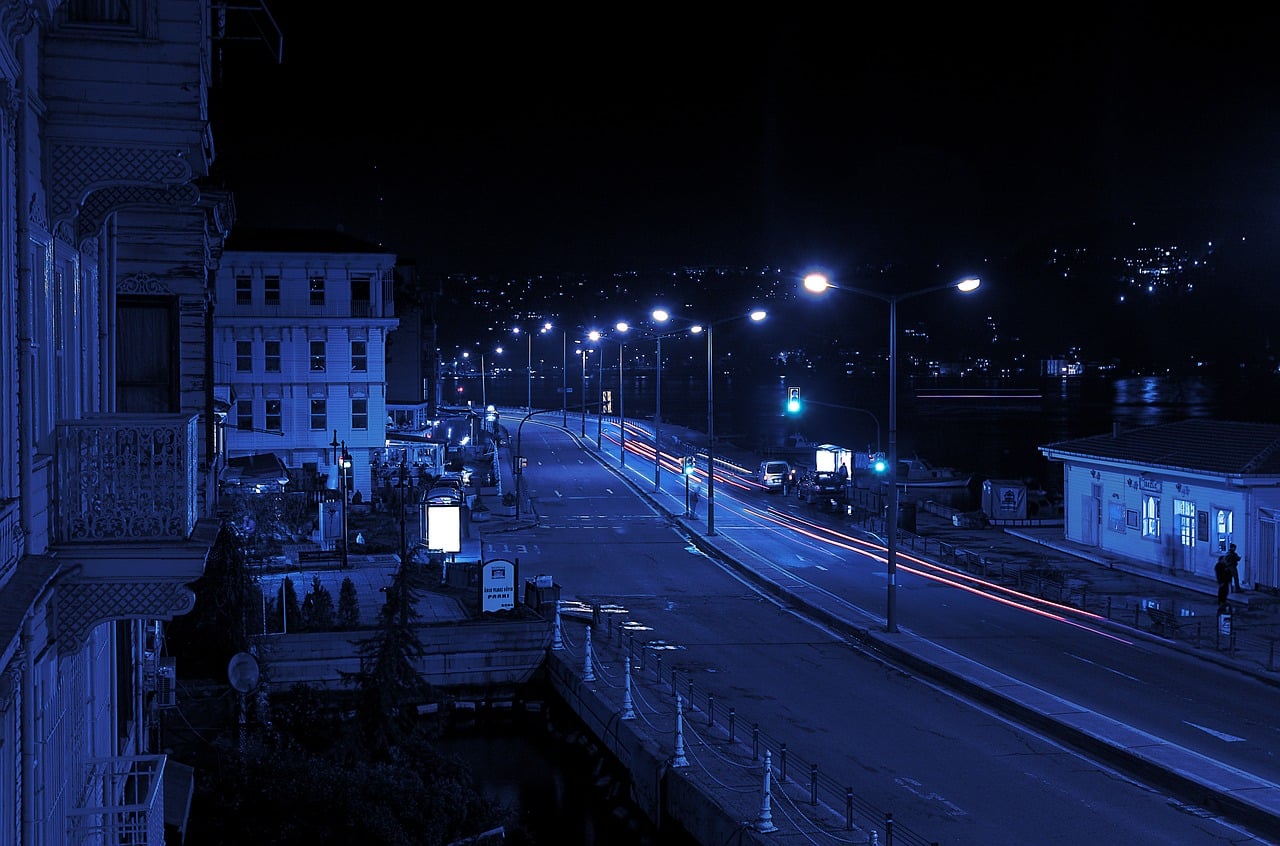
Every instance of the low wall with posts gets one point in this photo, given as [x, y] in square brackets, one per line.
[693, 761]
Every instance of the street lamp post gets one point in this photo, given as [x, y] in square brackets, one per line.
[582, 398]
[756, 315]
[564, 379]
[342, 460]
[818, 283]
[622, 327]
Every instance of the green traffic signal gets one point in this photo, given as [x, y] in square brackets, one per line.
[793, 400]
[879, 464]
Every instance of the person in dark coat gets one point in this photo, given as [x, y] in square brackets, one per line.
[1232, 559]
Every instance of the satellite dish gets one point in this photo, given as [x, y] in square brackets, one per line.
[243, 672]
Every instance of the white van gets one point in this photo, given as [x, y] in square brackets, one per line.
[771, 473]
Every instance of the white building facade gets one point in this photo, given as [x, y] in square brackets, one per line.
[301, 328]
[1173, 497]
[109, 444]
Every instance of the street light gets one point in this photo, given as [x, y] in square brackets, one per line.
[756, 315]
[343, 462]
[621, 327]
[818, 283]
[659, 315]
[582, 397]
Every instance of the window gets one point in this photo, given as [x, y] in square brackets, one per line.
[146, 355]
[244, 289]
[319, 417]
[244, 356]
[359, 356]
[317, 356]
[244, 415]
[359, 414]
[317, 290]
[360, 304]
[1224, 526]
[275, 420]
[271, 356]
[271, 290]
[1150, 516]
[1184, 513]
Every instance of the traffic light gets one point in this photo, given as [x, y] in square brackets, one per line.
[879, 464]
[793, 400]
[687, 465]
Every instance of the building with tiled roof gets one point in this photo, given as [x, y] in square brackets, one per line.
[1174, 496]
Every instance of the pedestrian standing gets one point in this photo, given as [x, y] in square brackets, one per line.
[1232, 559]
[695, 493]
[1223, 574]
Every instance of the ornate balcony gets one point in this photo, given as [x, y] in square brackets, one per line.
[127, 478]
[123, 802]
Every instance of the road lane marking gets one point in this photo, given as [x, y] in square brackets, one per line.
[1105, 667]
[1229, 738]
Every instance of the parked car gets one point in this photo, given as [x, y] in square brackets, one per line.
[822, 487]
[772, 473]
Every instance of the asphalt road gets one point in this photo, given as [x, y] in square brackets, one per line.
[951, 767]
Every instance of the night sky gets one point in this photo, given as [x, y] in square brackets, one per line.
[539, 141]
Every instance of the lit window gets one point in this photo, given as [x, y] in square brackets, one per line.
[317, 356]
[359, 356]
[271, 290]
[244, 289]
[271, 356]
[244, 415]
[359, 414]
[244, 356]
[319, 415]
[1150, 516]
[317, 290]
[274, 417]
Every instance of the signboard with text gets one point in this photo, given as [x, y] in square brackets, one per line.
[498, 585]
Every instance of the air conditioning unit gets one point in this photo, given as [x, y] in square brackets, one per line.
[167, 683]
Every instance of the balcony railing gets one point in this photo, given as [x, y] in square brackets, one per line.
[127, 478]
[123, 802]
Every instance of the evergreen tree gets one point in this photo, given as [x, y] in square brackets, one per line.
[348, 605]
[317, 608]
[217, 628]
[389, 685]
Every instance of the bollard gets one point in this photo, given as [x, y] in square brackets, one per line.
[755, 741]
[848, 809]
[888, 829]
[732, 714]
[782, 775]
[657, 670]
[691, 687]
[813, 784]
[679, 760]
[673, 681]
[628, 712]
[588, 674]
[765, 821]
[642, 656]
[556, 642]
[711, 710]
[595, 613]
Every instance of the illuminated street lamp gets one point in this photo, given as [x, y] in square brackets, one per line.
[755, 315]
[582, 397]
[818, 283]
[621, 328]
